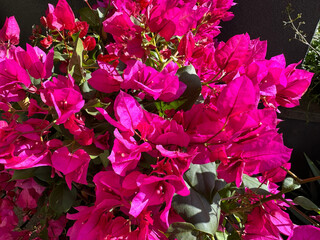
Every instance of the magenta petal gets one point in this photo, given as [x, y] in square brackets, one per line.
[305, 232]
[10, 31]
[239, 96]
[235, 52]
[73, 165]
[113, 122]
[128, 110]
[103, 81]
[65, 15]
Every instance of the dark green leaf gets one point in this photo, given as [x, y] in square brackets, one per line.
[60, 56]
[234, 236]
[23, 174]
[289, 184]
[87, 90]
[44, 174]
[182, 230]
[306, 203]
[202, 178]
[104, 158]
[188, 76]
[313, 167]
[62, 198]
[163, 106]
[75, 64]
[196, 209]
[254, 185]
[90, 16]
[228, 190]
[91, 106]
[44, 234]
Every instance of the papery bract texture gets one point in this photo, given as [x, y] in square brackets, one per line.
[73, 165]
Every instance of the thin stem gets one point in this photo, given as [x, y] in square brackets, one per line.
[234, 227]
[301, 213]
[298, 33]
[86, 1]
[299, 180]
[257, 204]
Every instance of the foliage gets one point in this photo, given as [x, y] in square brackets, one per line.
[134, 122]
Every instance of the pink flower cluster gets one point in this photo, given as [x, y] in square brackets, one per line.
[141, 113]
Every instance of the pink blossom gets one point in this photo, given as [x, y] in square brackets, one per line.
[23, 147]
[106, 79]
[60, 17]
[170, 18]
[10, 32]
[126, 35]
[66, 102]
[8, 218]
[305, 232]
[267, 221]
[187, 45]
[56, 227]
[34, 108]
[30, 193]
[101, 141]
[126, 153]
[164, 85]
[73, 165]
[41, 64]
[11, 78]
[153, 191]
[239, 96]
[89, 43]
[76, 125]
[232, 54]
[97, 223]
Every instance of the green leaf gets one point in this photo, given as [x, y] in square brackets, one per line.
[228, 190]
[91, 106]
[44, 174]
[44, 234]
[227, 236]
[202, 178]
[90, 16]
[87, 91]
[163, 106]
[313, 167]
[23, 174]
[196, 209]
[221, 235]
[234, 236]
[188, 76]
[92, 150]
[75, 64]
[289, 185]
[254, 185]
[61, 198]
[35, 81]
[60, 56]
[182, 230]
[306, 203]
[104, 158]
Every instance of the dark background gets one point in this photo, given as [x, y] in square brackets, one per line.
[259, 18]
[264, 19]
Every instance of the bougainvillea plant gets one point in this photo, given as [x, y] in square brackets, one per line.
[135, 122]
